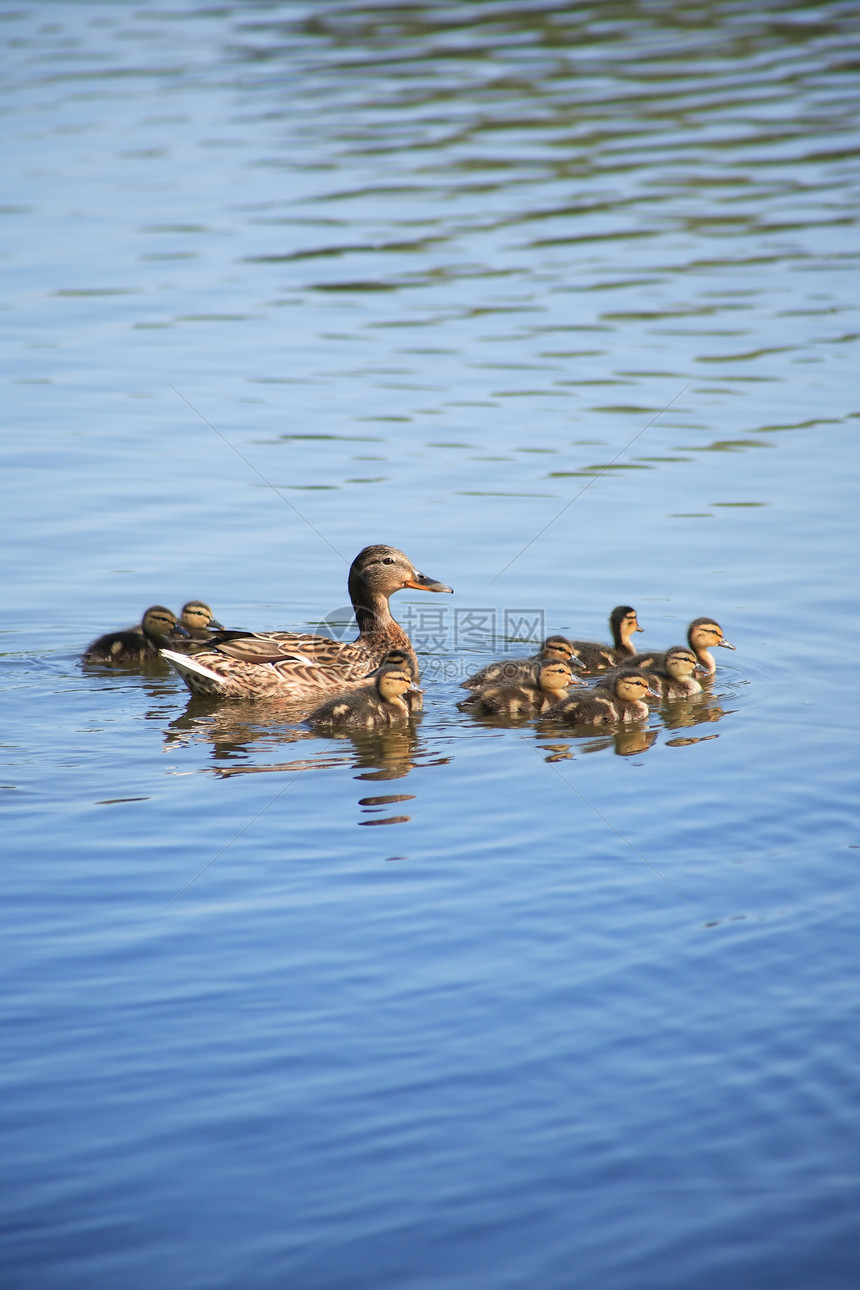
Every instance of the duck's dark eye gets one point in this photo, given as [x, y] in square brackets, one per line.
[388, 560]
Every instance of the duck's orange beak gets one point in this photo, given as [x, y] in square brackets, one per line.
[421, 582]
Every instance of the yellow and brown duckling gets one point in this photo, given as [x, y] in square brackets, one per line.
[596, 657]
[301, 665]
[620, 698]
[555, 649]
[198, 620]
[400, 658]
[379, 704]
[527, 698]
[131, 645]
[703, 635]
[675, 679]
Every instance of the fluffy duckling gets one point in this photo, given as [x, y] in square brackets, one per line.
[299, 665]
[198, 620]
[620, 698]
[703, 635]
[133, 645]
[381, 703]
[400, 658]
[675, 679]
[555, 649]
[596, 657]
[527, 698]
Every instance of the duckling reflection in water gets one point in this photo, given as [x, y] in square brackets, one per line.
[621, 698]
[596, 657]
[555, 649]
[381, 703]
[675, 679]
[131, 645]
[527, 698]
[703, 635]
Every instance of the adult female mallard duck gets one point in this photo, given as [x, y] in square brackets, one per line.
[380, 703]
[596, 657]
[527, 698]
[198, 620]
[131, 645]
[555, 649]
[703, 635]
[619, 698]
[297, 664]
[675, 679]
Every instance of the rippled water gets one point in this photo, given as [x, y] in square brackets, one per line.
[563, 301]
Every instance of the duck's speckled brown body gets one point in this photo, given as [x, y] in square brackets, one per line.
[299, 665]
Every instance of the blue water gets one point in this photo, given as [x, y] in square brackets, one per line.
[562, 300]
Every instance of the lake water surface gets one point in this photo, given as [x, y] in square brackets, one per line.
[564, 301]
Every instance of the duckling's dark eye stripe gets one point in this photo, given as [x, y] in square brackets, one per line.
[257, 472]
[591, 481]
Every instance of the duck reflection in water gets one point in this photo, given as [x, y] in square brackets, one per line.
[378, 754]
[683, 714]
[626, 741]
[240, 730]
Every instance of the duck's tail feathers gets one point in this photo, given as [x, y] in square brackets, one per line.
[190, 669]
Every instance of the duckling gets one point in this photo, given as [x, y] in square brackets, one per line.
[703, 635]
[512, 670]
[133, 645]
[299, 665]
[381, 703]
[620, 698]
[198, 620]
[596, 657]
[400, 658]
[527, 698]
[675, 679]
